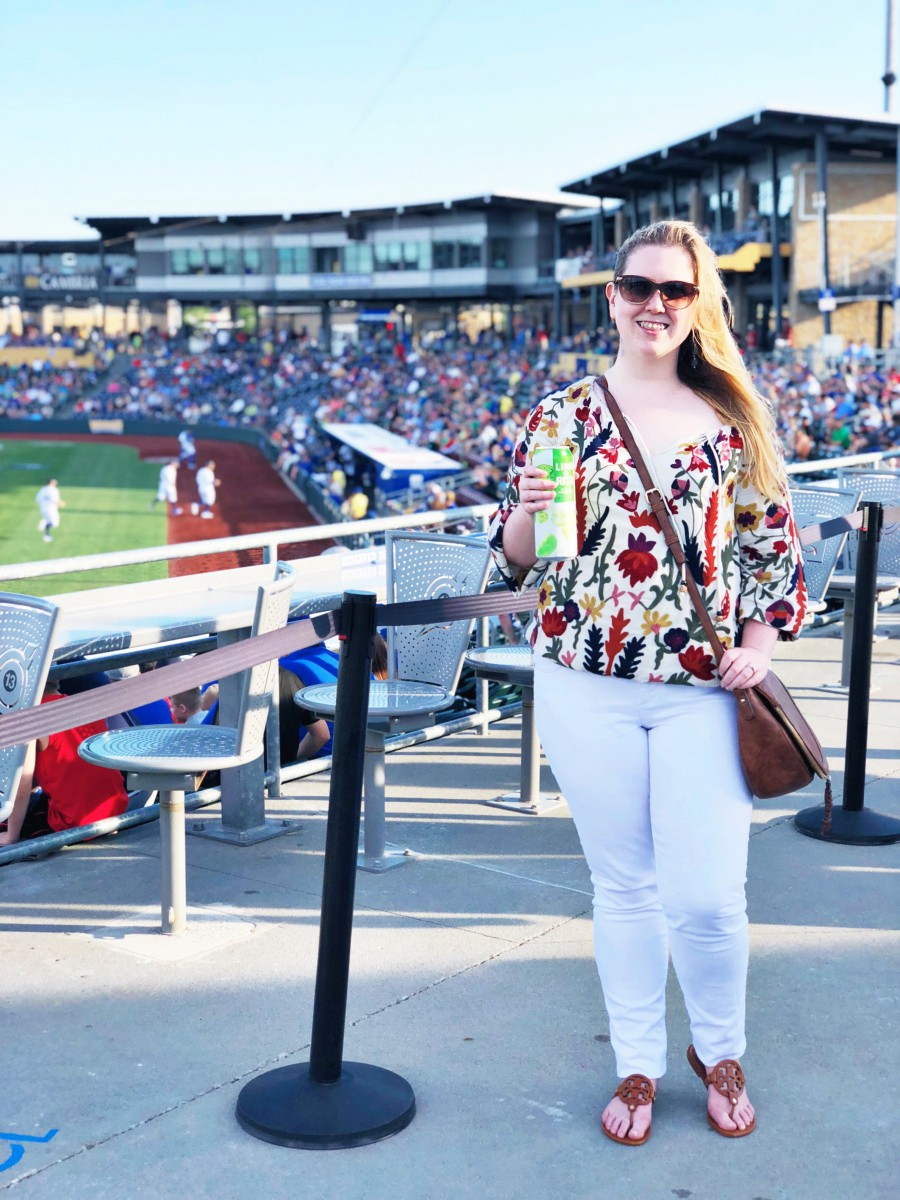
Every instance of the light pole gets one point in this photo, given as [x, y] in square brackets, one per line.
[889, 78]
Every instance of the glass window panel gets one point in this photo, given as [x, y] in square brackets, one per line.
[328, 260]
[252, 262]
[179, 262]
[302, 260]
[196, 262]
[424, 256]
[358, 258]
[285, 260]
[31, 262]
[120, 268]
[500, 253]
[469, 254]
[215, 261]
[233, 261]
[381, 256]
[411, 256]
[395, 253]
[786, 195]
[444, 256]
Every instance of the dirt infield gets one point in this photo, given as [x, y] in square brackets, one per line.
[252, 498]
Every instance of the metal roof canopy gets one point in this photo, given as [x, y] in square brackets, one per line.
[87, 245]
[737, 142]
[122, 229]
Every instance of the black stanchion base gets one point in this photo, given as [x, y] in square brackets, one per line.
[864, 828]
[286, 1107]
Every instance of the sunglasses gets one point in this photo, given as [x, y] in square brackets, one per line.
[637, 289]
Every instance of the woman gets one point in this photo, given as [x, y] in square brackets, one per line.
[652, 773]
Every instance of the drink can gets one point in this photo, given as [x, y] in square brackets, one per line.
[555, 529]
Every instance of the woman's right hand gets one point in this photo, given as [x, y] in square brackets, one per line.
[535, 489]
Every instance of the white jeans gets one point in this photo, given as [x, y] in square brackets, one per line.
[652, 777]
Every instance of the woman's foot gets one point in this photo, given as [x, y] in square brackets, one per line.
[728, 1108]
[627, 1116]
[734, 1119]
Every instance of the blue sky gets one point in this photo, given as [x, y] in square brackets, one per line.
[128, 107]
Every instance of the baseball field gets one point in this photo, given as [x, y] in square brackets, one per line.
[108, 484]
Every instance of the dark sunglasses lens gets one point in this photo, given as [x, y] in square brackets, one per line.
[635, 289]
[677, 294]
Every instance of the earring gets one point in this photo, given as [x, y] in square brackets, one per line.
[695, 357]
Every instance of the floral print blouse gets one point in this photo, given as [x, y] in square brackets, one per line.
[621, 608]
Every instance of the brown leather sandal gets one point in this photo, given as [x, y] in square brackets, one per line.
[728, 1078]
[634, 1091]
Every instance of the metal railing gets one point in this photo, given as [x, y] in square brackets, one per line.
[269, 542]
[836, 466]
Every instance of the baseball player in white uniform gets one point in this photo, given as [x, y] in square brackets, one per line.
[168, 488]
[206, 487]
[49, 504]
[187, 451]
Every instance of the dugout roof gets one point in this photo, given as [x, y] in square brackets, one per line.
[742, 141]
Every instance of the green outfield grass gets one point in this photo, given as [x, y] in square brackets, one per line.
[107, 491]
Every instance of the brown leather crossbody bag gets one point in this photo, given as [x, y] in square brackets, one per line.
[779, 751]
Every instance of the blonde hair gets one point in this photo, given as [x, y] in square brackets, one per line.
[719, 375]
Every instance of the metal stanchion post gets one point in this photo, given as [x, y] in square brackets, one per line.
[852, 824]
[482, 686]
[327, 1103]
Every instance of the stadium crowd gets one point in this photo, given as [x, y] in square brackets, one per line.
[465, 400]
[39, 387]
[39, 390]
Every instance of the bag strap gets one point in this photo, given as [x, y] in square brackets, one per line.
[660, 510]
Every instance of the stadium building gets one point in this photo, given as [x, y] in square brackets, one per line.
[480, 262]
[801, 208]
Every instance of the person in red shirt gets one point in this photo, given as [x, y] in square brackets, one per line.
[58, 790]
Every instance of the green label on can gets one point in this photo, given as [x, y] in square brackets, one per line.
[555, 528]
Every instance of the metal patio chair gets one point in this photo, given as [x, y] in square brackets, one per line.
[27, 626]
[168, 757]
[812, 505]
[424, 662]
[885, 489]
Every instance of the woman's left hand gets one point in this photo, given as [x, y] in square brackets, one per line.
[742, 666]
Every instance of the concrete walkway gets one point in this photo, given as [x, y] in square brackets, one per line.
[472, 976]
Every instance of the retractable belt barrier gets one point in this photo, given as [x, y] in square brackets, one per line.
[124, 694]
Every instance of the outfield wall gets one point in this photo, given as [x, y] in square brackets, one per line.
[111, 427]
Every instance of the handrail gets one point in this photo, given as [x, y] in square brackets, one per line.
[837, 464]
[246, 541]
[271, 540]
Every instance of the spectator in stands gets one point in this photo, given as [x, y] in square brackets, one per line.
[356, 505]
[186, 707]
[379, 657]
[57, 789]
[302, 735]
